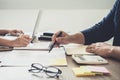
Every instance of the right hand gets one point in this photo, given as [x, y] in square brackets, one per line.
[63, 39]
[21, 41]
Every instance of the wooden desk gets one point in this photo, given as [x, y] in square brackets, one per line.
[113, 67]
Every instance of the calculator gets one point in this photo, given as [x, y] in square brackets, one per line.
[88, 59]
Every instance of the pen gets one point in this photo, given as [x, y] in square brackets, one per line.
[53, 44]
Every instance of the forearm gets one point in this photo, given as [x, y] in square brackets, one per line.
[5, 42]
[3, 32]
[115, 53]
[77, 38]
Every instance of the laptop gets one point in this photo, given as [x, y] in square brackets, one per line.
[33, 34]
[36, 26]
[33, 45]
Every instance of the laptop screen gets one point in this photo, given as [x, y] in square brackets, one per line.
[36, 26]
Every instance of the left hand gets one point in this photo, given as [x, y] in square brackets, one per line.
[100, 48]
[15, 32]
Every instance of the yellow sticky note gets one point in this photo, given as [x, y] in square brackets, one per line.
[82, 71]
[60, 62]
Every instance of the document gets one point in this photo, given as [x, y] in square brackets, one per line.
[25, 58]
[42, 46]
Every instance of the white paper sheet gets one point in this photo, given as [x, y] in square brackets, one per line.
[42, 46]
[26, 58]
[21, 73]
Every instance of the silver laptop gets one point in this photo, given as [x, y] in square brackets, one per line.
[36, 26]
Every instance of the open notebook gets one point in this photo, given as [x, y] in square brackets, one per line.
[75, 49]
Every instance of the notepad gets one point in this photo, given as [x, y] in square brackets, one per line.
[75, 49]
[90, 71]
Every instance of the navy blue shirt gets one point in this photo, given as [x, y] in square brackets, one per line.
[106, 29]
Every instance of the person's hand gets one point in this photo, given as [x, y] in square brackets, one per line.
[100, 48]
[15, 32]
[21, 41]
[63, 39]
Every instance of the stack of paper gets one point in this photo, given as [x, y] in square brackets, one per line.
[90, 71]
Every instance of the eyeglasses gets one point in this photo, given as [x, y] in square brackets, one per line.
[50, 71]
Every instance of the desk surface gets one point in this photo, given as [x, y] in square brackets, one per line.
[113, 67]
[22, 72]
[62, 18]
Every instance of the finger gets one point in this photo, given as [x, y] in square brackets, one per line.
[90, 50]
[55, 35]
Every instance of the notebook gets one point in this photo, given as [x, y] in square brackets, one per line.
[75, 49]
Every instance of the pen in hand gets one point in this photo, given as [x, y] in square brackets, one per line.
[53, 43]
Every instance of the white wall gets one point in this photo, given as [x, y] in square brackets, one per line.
[56, 4]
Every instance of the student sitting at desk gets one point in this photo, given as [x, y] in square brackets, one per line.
[22, 40]
[106, 29]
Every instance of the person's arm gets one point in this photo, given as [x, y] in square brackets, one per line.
[5, 42]
[65, 38]
[77, 38]
[11, 32]
[115, 53]
[102, 31]
[3, 32]
[21, 41]
[104, 50]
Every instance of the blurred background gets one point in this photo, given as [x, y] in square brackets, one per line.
[56, 4]
[68, 15]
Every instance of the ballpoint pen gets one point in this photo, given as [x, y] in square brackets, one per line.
[53, 43]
